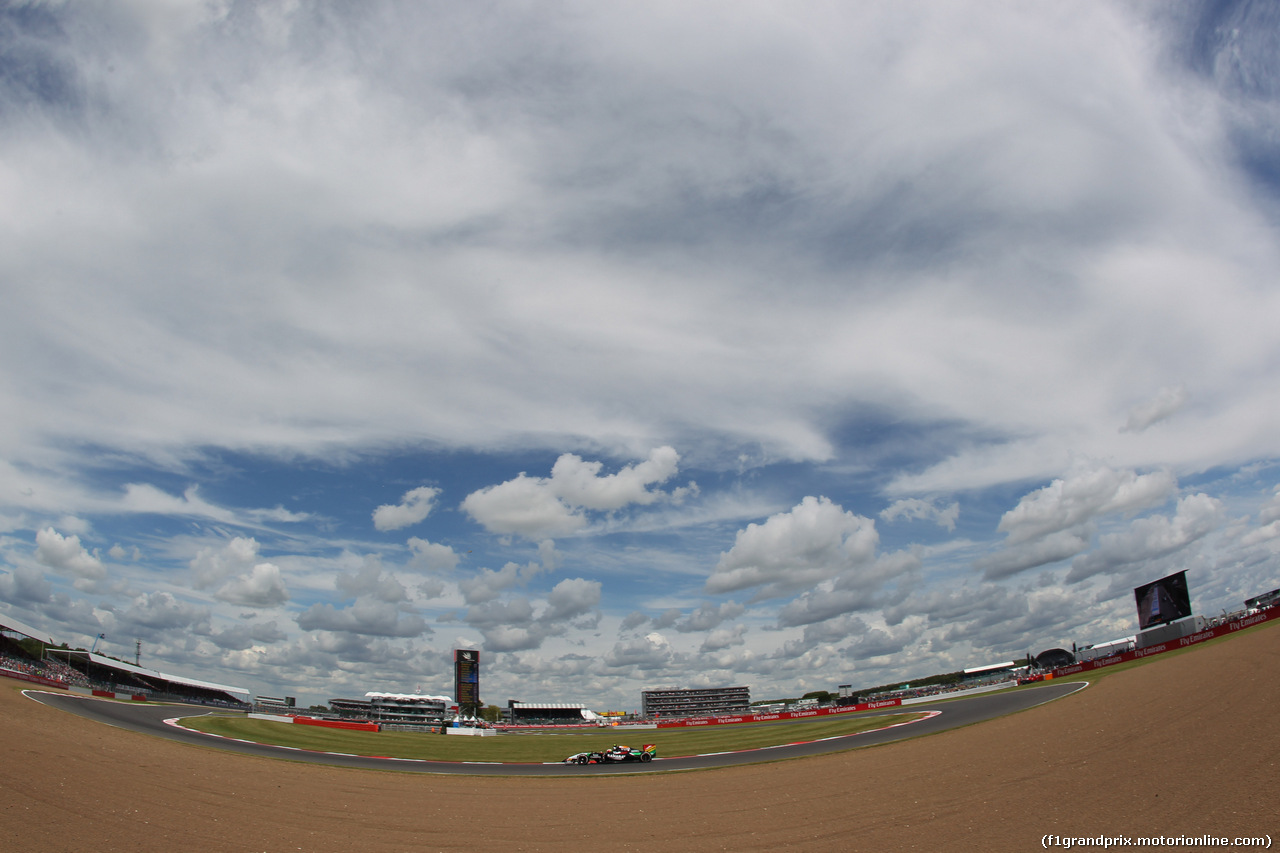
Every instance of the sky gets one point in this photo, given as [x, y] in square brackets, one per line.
[636, 346]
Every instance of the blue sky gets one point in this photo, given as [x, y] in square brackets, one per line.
[635, 346]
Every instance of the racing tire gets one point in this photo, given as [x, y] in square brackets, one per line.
[645, 758]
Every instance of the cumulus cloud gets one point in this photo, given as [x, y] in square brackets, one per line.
[1087, 491]
[66, 554]
[237, 575]
[1270, 511]
[488, 584]
[917, 509]
[211, 565]
[374, 581]
[862, 587]
[539, 507]
[415, 505]
[526, 506]
[25, 585]
[1152, 537]
[651, 652]
[515, 624]
[380, 608]
[709, 616]
[1057, 522]
[1041, 551]
[633, 620]
[161, 611]
[579, 483]
[262, 586]
[812, 542]
[572, 597]
[432, 556]
[367, 616]
[723, 638]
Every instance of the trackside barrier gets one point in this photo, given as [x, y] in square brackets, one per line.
[336, 724]
[1269, 615]
[271, 718]
[34, 679]
[781, 715]
[109, 694]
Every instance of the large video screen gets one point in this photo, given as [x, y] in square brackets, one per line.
[1163, 601]
[466, 679]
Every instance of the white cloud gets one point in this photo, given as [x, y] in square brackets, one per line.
[25, 585]
[372, 580]
[859, 588]
[1151, 537]
[367, 616]
[261, 587]
[1057, 522]
[537, 508]
[415, 505]
[723, 638]
[145, 498]
[66, 554]
[709, 616]
[578, 483]
[814, 541]
[1165, 404]
[915, 508]
[237, 574]
[651, 652]
[161, 611]
[525, 506]
[487, 584]
[1087, 491]
[432, 556]
[570, 598]
[1048, 548]
[1270, 511]
[211, 565]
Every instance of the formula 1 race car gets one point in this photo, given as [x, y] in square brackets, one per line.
[615, 755]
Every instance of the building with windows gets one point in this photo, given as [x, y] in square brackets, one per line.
[699, 702]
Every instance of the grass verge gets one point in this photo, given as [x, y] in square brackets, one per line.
[540, 747]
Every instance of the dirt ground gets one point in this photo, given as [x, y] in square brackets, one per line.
[1183, 745]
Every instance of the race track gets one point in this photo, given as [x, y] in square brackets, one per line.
[954, 713]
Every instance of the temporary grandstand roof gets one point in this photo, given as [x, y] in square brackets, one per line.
[112, 663]
[555, 706]
[409, 697]
[994, 667]
[8, 623]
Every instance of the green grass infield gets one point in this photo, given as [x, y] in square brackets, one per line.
[541, 746]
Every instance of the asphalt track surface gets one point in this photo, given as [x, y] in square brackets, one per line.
[951, 714]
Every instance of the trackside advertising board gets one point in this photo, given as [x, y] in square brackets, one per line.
[1269, 615]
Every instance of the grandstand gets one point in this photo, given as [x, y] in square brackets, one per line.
[700, 702]
[549, 713]
[398, 709]
[78, 669]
